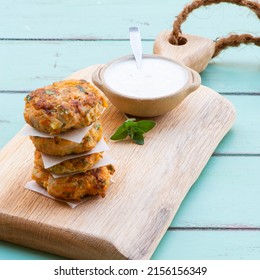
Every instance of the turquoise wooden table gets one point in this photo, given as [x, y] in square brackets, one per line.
[45, 41]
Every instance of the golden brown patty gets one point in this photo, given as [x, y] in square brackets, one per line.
[60, 147]
[63, 105]
[75, 187]
[80, 164]
[40, 175]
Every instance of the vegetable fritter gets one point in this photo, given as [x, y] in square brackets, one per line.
[60, 147]
[80, 164]
[63, 106]
[75, 187]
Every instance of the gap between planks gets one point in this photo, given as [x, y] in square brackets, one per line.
[87, 39]
[235, 155]
[214, 228]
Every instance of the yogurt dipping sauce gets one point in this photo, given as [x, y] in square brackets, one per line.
[156, 78]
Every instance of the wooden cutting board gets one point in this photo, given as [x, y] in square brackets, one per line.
[150, 183]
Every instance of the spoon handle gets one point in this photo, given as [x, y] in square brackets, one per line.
[136, 45]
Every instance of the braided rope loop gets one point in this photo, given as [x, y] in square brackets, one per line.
[176, 37]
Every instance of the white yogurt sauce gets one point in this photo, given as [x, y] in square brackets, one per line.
[157, 77]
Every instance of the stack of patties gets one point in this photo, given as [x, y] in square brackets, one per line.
[57, 109]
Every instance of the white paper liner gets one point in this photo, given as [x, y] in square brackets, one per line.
[75, 135]
[106, 160]
[35, 187]
[49, 161]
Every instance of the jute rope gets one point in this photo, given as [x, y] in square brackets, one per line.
[223, 43]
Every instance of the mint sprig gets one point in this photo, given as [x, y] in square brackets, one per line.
[134, 129]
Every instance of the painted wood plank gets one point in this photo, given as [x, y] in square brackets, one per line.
[28, 65]
[234, 70]
[11, 116]
[225, 195]
[10, 251]
[111, 18]
[176, 245]
[209, 245]
[244, 137]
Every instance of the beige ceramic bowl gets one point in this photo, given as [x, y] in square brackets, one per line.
[145, 107]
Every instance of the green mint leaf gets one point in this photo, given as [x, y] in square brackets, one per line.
[120, 134]
[133, 129]
[146, 125]
[138, 138]
[130, 132]
[129, 123]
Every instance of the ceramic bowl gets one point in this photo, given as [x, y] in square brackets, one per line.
[145, 106]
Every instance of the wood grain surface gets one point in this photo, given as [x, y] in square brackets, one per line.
[150, 183]
[196, 53]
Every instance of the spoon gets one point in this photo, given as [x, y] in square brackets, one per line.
[136, 45]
